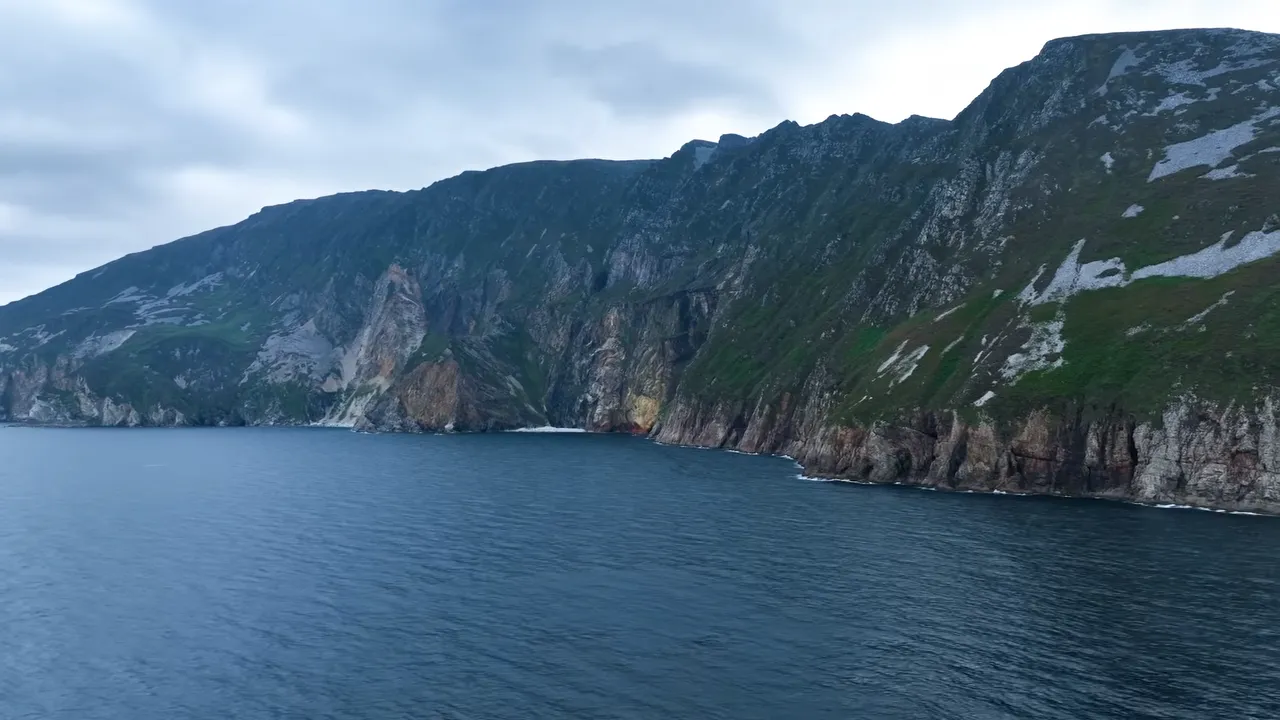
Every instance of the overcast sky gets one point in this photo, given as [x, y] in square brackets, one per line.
[128, 123]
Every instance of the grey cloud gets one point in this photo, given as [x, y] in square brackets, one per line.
[637, 79]
[126, 123]
[104, 111]
[82, 174]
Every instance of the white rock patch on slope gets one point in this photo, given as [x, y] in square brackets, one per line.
[907, 366]
[1108, 161]
[302, 351]
[205, 283]
[1128, 59]
[986, 398]
[892, 359]
[1209, 150]
[1200, 316]
[1028, 294]
[41, 336]
[130, 294]
[1184, 72]
[1225, 173]
[1073, 277]
[1043, 351]
[902, 366]
[948, 313]
[1175, 101]
[95, 345]
[1133, 211]
[1217, 259]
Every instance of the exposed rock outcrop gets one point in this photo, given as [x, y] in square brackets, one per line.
[1218, 458]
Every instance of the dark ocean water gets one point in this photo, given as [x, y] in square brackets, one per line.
[324, 574]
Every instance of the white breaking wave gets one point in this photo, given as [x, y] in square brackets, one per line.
[1219, 511]
[549, 429]
[846, 481]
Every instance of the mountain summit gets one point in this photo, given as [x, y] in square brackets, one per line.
[1067, 289]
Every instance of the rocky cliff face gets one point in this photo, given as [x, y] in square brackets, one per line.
[1194, 455]
[1067, 289]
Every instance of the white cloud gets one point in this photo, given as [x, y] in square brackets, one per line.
[234, 89]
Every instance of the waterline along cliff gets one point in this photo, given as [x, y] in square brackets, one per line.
[1070, 288]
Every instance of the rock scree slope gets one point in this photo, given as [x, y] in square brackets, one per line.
[1068, 289]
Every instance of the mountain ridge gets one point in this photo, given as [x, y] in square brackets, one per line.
[1063, 290]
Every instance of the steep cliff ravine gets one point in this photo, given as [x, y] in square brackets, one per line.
[1067, 289]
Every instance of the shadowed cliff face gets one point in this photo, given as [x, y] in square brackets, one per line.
[1067, 289]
